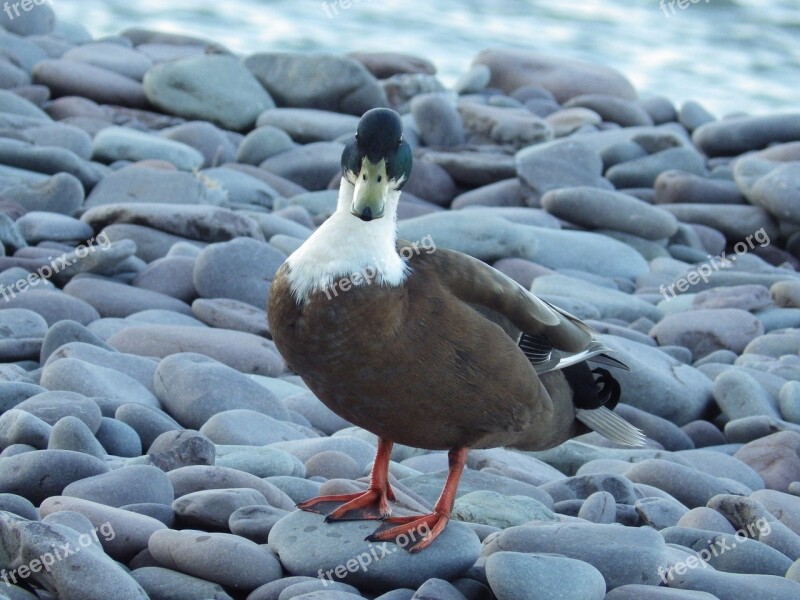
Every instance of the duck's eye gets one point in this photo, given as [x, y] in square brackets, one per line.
[365, 176]
[379, 178]
[400, 141]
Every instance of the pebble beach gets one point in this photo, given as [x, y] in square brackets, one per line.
[153, 442]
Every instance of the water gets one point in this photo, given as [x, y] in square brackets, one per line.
[732, 55]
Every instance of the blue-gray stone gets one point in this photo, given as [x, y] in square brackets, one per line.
[89, 574]
[306, 125]
[73, 375]
[62, 193]
[20, 427]
[212, 509]
[623, 555]
[307, 544]
[122, 533]
[643, 172]
[262, 462]
[118, 438]
[134, 484]
[736, 586]
[650, 592]
[729, 553]
[324, 81]
[148, 422]
[490, 508]
[168, 584]
[123, 143]
[731, 137]
[242, 188]
[186, 480]
[191, 385]
[229, 560]
[560, 164]
[263, 143]
[70, 433]
[599, 209]
[240, 269]
[113, 57]
[523, 576]
[216, 88]
[437, 119]
[430, 485]
[40, 474]
[140, 184]
[254, 522]
[686, 484]
[175, 449]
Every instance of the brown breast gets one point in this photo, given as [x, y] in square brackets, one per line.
[412, 364]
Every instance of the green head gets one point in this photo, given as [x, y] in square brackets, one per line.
[377, 162]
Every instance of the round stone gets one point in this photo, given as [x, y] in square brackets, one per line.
[303, 541]
[70, 433]
[555, 576]
[240, 269]
[191, 386]
[134, 484]
[226, 559]
[212, 509]
[40, 474]
[168, 584]
[214, 87]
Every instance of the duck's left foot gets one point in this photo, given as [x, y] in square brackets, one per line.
[368, 505]
[413, 533]
[373, 503]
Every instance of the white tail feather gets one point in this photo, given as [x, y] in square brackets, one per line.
[610, 425]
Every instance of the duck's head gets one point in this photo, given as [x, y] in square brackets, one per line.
[376, 162]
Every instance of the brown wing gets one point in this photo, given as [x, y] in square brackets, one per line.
[477, 283]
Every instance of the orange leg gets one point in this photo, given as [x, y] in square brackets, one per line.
[422, 530]
[370, 504]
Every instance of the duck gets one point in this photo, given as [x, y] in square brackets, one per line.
[428, 347]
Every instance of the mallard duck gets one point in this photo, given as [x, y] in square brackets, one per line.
[425, 346]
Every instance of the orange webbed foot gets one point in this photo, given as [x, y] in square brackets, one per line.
[414, 533]
[372, 504]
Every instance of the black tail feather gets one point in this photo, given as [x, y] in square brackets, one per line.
[592, 389]
[610, 391]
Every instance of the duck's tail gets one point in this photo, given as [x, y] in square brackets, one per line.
[595, 394]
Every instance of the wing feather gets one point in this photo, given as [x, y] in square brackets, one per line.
[550, 337]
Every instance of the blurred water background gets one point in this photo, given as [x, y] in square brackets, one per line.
[732, 55]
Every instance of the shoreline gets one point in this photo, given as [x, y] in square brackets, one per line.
[692, 55]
